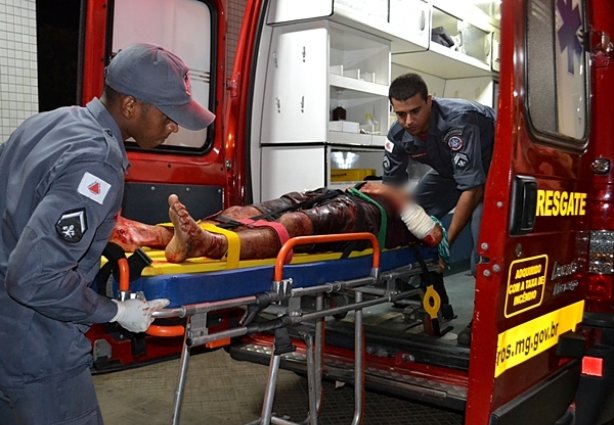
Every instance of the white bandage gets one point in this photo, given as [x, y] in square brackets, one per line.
[417, 220]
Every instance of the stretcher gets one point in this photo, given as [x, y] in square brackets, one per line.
[201, 286]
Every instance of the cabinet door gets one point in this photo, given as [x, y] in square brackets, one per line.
[411, 20]
[291, 168]
[296, 95]
[284, 10]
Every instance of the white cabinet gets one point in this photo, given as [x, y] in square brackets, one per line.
[313, 68]
[316, 67]
[325, 55]
[479, 89]
[296, 91]
[472, 28]
[404, 22]
[300, 167]
[410, 20]
[292, 168]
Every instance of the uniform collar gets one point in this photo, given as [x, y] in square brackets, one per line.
[106, 121]
[438, 124]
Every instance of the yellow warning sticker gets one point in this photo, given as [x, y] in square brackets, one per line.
[526, 282]
[525, 341]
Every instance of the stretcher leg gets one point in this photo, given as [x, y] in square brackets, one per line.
[312, 379]
[183, 372]
[314, 374]
[319, 343]
[269, 395]
[359, 347]
[282, 345]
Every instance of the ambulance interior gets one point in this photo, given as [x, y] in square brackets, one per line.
[346, 61]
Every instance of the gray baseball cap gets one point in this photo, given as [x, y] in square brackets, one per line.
[155, 75]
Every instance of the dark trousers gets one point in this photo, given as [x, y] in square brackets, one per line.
[438, 196]
[55, 400]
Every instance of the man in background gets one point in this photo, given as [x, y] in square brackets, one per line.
[455, 138]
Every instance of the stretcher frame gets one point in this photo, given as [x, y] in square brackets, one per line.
[380, 287]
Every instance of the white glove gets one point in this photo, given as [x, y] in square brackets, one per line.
[135, 315]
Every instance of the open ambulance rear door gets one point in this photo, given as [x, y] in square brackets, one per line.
[205, 168]
[200, 166]
[533, 238]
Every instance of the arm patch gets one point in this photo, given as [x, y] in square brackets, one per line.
[454, 140]
[72, 225]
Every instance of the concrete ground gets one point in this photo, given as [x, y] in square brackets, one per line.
[221, 391]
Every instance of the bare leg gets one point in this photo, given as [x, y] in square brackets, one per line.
[189, 240]
[238, 212]
[131, 235]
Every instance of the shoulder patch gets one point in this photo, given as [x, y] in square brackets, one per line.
[454, 140]
[455, 143]
[93, 187]
[72, 225]
[389, 146]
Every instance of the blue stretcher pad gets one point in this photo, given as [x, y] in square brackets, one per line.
[192, 288]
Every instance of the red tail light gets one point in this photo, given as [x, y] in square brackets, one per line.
[601, 252]
[600, 276]
[592, 366]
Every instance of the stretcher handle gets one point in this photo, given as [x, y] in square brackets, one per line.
[315, 239]
[124, 275]
[124, 287]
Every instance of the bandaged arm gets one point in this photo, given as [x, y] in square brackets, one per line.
[419, 223]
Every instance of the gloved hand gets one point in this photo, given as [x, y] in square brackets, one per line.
[135, 315]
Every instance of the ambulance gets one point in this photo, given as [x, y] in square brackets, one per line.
[304, 104]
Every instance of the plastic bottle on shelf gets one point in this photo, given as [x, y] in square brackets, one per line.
[370, 126]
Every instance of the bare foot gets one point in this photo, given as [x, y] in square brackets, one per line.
[186, 229]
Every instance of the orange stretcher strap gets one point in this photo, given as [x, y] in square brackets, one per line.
[234, 244]
[280, 230]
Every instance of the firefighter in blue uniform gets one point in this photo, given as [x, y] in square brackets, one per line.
[61, 186]
[455, 138]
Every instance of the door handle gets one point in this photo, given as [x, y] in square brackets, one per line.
[524, 205]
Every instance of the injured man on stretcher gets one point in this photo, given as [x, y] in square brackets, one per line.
[262, 228]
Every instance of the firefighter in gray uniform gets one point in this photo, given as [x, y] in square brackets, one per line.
[455, 138]
[61, 186]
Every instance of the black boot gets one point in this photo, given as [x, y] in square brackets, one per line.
[447, 312]
[464, 336]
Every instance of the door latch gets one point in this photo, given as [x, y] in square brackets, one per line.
[524, 205]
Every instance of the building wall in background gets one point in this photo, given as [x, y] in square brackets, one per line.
[19, 97]
[18, 68]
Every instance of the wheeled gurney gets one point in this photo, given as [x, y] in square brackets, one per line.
[199, 287]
